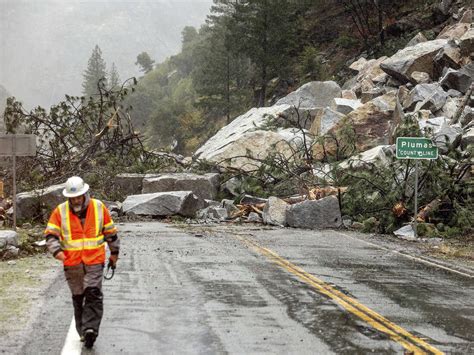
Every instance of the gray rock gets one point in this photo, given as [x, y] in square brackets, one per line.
[274, 212]
[315, 214]
[419, 38]
[358, 65]
[426, 96]
[371, 94]
[29, 203]
[346, 221]
[248, 134]
[432, 124]
[312, 95]
[323, 122]
[467, 116]
[254, 217]
[415, 58]
[204, 186]
[212, 213]
[212, 203]
[450, 107]
[230, 207]
[466, 43]
[456, 79]
[445, 6]
[345, 106]
[184, 203]
[467, 138]
[447, 134]
[129, 184]
[377, 156]
[420, 77]
[349, 94]
[8, 238]
[406, 233]
[233, 186]
[113, 206]
[454, 93]
[466, 17]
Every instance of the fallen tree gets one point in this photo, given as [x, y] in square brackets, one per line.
[89, 136]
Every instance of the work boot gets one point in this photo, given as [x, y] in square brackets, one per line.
[89, 338]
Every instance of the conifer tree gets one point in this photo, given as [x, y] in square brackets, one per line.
[114, 78]
[144, 62]
[94, 73]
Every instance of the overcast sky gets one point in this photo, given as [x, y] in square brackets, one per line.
[45, 44]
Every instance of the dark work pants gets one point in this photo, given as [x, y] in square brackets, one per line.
[85, 283]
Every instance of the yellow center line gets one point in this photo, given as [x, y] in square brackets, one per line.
[409, 341]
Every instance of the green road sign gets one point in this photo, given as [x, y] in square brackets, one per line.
[416, 148]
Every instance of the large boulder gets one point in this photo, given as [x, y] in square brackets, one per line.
[426, 96]
[455, 31]
[459, 80]
[315, 214]
[467, 138]
[274, 212]
[129, 184]
[184, 203]
[419, 38]
[415, 58]
[325, 120]
[8, 238]
[254, 133]
[345, 106]
[432, 125]
[204, 186]
[377, 156]
[466, 42]
[29, 204]
[312, 95]
[447, 135]
[450, 107]
[370, 124]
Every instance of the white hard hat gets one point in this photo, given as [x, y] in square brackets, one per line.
[75, 186]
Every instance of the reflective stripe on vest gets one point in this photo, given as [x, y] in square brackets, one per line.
[67, 243]
[65, 221]
[99, 216]
[51, 227]
[83, 244]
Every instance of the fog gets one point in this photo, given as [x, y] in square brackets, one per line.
[45, 44]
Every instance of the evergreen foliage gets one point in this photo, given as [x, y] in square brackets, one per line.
[144, 62]
[114, 78]
[95, 73]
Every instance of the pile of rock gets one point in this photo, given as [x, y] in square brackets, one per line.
[429, 80]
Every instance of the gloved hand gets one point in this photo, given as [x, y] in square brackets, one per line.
[113, 261]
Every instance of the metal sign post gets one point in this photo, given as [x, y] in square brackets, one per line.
[17, 145]
[416, 148]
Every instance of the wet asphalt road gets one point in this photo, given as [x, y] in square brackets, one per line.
[208, 291]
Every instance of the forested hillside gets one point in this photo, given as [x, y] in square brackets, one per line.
[249, 53]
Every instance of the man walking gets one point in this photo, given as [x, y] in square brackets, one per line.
[76, 234]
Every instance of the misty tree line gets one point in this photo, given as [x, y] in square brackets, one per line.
[247, 54]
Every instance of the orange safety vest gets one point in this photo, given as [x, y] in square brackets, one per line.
[82, 243]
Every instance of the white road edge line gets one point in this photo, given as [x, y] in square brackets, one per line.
[72, 344]
[411, 257]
